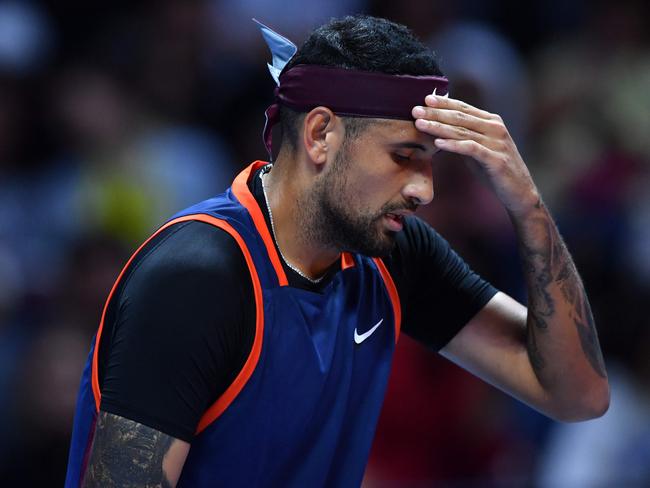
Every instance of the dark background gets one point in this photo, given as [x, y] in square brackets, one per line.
[114, 115]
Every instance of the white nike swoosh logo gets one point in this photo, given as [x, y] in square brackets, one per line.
[360, 338]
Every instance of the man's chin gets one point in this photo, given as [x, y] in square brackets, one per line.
[391, 239]
[381, 247]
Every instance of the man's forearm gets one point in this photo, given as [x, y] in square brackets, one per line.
[563, 354]
[562, 340]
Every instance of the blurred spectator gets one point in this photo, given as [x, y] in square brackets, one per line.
[592, 151]
[234, 31]
[615, 449]
[149, 168]
[25, 37]
[472, 53]
[44, 400]
[636, 241]
[440, 426]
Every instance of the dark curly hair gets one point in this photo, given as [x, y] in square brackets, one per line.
[363, 43]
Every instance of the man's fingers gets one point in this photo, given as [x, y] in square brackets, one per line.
[436, 101]
[456, 118]
[446, 131]
[453, 132]
[485, 156]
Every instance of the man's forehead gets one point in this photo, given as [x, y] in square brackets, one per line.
[400, 132]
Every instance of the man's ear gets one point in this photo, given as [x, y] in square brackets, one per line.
[323, 133]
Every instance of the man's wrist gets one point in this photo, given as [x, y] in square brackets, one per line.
[528, 207]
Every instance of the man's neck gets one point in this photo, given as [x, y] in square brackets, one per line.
[286, 189]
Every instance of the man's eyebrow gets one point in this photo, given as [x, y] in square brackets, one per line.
[408, 145]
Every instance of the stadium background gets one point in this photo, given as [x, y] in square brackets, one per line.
[113, 115]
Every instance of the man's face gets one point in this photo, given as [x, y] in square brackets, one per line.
[371, 184]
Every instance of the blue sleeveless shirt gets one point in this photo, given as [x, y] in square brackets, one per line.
[302, 411]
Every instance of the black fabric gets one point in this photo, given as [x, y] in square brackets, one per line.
[178, 329]
[438, 290]
[182, 322]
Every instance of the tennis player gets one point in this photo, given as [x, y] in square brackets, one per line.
[248, 341]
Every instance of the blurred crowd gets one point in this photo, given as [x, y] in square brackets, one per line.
[114, 115]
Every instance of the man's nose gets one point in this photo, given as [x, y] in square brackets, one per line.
[419, 188]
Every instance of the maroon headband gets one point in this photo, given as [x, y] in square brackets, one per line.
[350, 93]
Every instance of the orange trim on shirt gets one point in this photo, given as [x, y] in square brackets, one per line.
[246, 198]
[246, 372]
[95, 378]
[347, 261]
[392, 293]
[251, 362]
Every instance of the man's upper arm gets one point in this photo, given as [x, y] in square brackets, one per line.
[126, 453]
[182, 328]
[174, 338]
[492, 346]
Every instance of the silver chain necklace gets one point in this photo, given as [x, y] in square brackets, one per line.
[263, 173]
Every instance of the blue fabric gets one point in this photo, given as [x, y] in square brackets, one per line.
[84, 424]
[308, 413]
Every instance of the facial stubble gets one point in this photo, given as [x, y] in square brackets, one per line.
[333, 216]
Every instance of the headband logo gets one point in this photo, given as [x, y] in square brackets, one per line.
[446, 95]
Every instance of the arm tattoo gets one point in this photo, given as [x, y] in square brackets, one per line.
[126, 454]
[550, 264]
[574, 293]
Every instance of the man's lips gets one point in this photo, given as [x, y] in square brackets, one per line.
[395, 216]
[395, 220]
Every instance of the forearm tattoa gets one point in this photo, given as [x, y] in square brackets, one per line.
[548, 266]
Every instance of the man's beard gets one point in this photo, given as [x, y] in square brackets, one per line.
[359, 233]
[330, 220]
